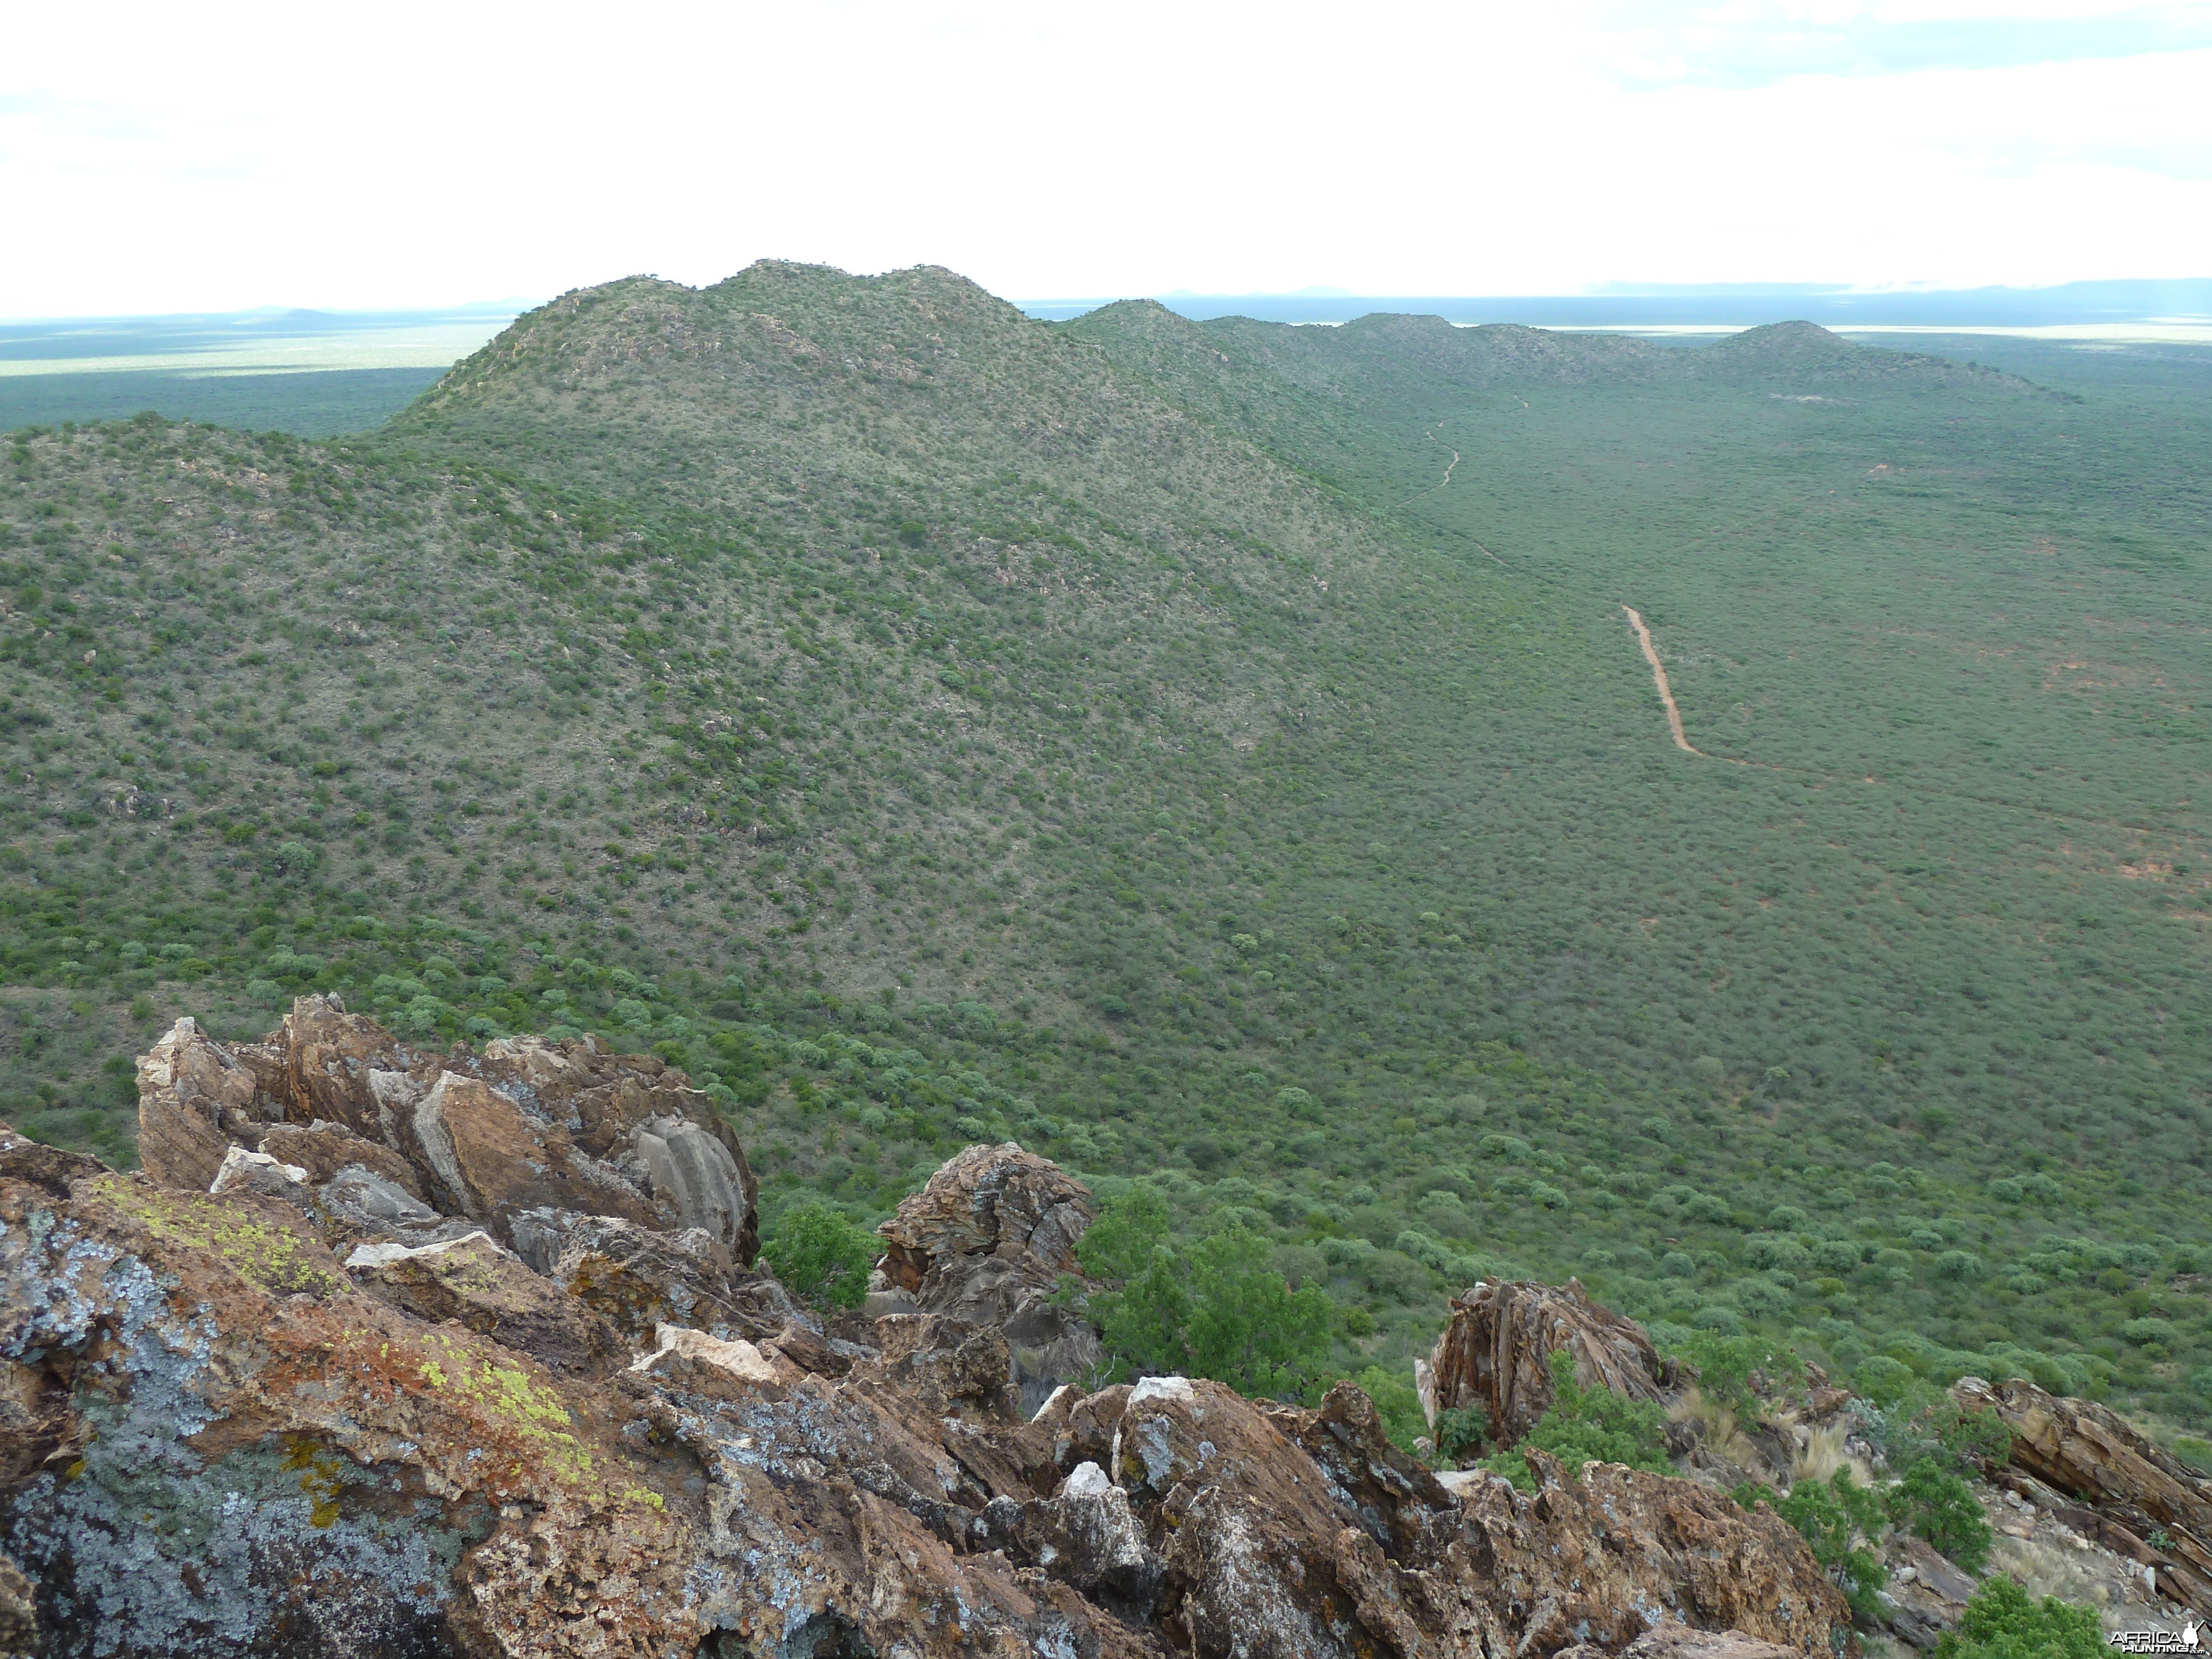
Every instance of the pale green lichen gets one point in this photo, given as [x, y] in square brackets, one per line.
[529, 1410]
[267, 1254]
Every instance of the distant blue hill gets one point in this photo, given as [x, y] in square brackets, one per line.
[1718, 305]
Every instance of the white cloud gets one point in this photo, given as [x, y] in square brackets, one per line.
[166, 158]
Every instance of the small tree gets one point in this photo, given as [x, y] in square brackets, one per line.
[821, 1255]
[1940, 1507]
[1220, 1308]
[1832, 1517]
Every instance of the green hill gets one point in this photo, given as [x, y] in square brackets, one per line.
[926, 724]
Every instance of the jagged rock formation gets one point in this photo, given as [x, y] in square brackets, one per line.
[2126, 1489]
[520, 1140]
[234, 1421]
[988, 1241]
[1496, 1353]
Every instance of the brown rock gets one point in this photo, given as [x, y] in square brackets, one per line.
[322, 1149]
[999, 1202]
[483, 1160]
[636, 1114]
[19, 1612]
[1496, 1353]
[951, 1367]
[987, 1240]
[195, 1101]
[473, 1283]
[1673, 1641]
[640, 1278]
[328, 1056]
[1601, 1558]
[2087, 1452]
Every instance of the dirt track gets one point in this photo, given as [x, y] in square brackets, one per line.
[1444, 481]
[1659, 679]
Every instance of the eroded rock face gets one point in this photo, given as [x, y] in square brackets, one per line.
[239, 1423]
[1603, 1558]
[1496, 1353]
[2131, 1488]
[526, 1125]
[990, 1203]
[987, 1240]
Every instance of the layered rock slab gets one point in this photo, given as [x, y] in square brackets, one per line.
[988, 1241]
[1495, 1353]
[2133, 1490]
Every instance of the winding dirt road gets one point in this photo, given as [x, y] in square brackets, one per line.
[1431, 435]
[1659, 679]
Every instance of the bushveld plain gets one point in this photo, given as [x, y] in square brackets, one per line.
[1216, 755]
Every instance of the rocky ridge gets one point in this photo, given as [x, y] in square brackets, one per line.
[393, 1350]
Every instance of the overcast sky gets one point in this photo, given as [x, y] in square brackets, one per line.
[158, 158]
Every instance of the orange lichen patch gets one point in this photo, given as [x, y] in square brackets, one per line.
[322, 1477]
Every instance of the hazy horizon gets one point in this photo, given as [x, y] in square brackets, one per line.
[168, 160]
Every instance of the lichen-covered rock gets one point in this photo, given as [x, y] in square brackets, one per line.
[239, 1423]
[1496, 1353]
[471, 1281]
[254, 1458]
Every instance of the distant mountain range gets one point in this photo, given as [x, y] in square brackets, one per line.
[1722, 305]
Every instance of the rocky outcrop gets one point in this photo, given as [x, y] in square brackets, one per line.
[524, 1125]
[1496, 1353]
[228, 1425]
[987, 1240]
[2128, 1488]
[1603, 1558]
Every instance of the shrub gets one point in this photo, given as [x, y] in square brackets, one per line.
[2002, 1622]
[1460, 1433]
[1222, 1308]
[1924, 1423]
[821, 1255]
[1958, 1265]
[1940, 1507]
[1584, 1426]
[1832, 1517]
[1882, 1379]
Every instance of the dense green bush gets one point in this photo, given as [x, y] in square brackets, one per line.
[1941, 1507]
[2002, 1622]
[821, 1255]
[1218, 1308]
[1839, 1520]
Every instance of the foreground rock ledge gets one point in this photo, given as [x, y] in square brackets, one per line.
[273, 1419]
